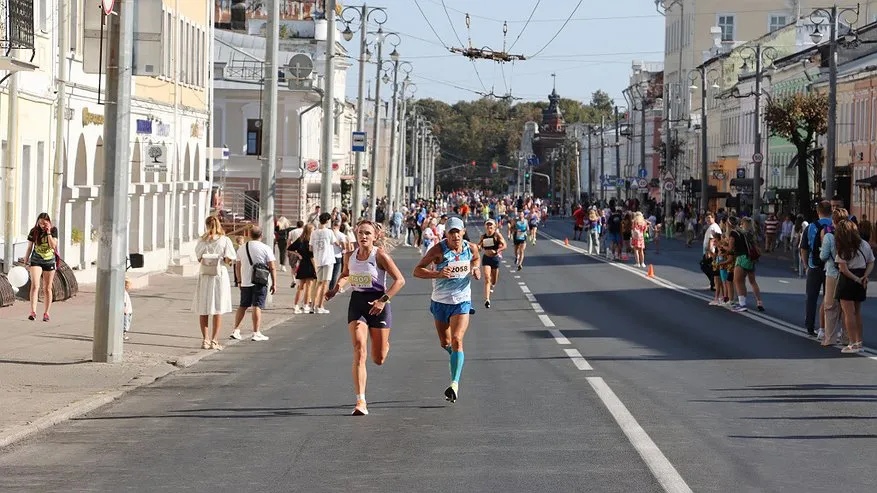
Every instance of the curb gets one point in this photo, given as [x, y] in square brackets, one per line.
[89, 404]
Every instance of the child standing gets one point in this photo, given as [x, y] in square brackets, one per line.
[127, 311]
[726, 269]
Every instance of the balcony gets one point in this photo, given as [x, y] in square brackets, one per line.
[16, 33]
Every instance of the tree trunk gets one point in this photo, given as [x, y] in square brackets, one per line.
[803, 183]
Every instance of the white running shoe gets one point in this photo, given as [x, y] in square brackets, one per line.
[820, 335]
[306, 309]
[322, 311]
[296, 309]
[258, 336]
[236, 334]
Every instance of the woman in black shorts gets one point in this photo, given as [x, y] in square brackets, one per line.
[368, 314]
[855, 260]
[493, 244]
[41, 260]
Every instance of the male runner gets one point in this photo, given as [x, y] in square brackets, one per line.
[455, 261]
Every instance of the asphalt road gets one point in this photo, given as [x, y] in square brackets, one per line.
[602, 381]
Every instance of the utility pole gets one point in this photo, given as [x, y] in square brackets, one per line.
[360, 119]
[12, 180]
[415, 164]
[704, 147]
[113, 233]
[617, 153]
[394, 122]
[268, 179]
[60, 111]
[831, 152]
[590, 165]
[756, 180]
[602, 157]
[376, 139]
[642, 143]
[328, 140]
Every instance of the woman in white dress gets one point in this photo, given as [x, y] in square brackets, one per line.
[213, 294]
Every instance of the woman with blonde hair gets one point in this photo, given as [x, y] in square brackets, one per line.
[595, 228]
[214, 252]
[855, 260]
[306, 273]
[638, 228]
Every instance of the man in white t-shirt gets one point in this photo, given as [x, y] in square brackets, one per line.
[322, 244]
[253, 295]
[340, 247]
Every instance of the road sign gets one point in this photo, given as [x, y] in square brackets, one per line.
[775, 171]
[335, 166]
[107, 5]
[667, 176]
[670, 185]
[642, 182]
[758, 158]
[312, 166]
[358, 141]
[643, 173]
[643, 190]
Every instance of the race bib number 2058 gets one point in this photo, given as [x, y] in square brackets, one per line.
[459, 269]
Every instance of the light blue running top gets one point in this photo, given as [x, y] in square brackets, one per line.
[459, 288]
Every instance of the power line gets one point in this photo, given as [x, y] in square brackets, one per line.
[430, 24]
[525, 24]
[451, 23]
[559, 30]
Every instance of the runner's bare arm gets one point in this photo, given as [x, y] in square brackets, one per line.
[342, 278]
[386, 262]
[433, 256]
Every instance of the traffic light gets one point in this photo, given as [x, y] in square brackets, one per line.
[527, 175]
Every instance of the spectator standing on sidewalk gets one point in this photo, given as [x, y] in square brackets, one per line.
[811, 244]
[786, 232]
[831, 316]
[305, 273]
[855, 261]
[281, 237]
[771, 224]
[253, 295]
[340, 246]
[212, 299]
[706, 262]
[322, 244]
[42, 260]
[865, 228]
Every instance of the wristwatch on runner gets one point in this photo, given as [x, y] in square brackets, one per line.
[384, 299]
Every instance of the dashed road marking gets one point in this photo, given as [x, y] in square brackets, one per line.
[577, 359]
[530, 297]
[537, 307]
[546, 320]
[558, 336]
[524, 288]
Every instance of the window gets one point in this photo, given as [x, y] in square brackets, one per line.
[776, 22]
[726, 23]
[254, 137]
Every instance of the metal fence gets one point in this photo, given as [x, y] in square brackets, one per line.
[16, 24]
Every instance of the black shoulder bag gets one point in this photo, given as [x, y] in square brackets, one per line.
[261, 274]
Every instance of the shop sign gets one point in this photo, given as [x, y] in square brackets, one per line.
[89, 118]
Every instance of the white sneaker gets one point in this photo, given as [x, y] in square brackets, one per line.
[820, 335]
[282, 268]
[258, 336]
[715, 303]
[322, 311]
[306, 309]
[236, 334]
[296, 309]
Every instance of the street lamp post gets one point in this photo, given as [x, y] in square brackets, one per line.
[380, 37]
[363, 15]
[834, 15]
[703, 73]
[761, 56]
[393, 165]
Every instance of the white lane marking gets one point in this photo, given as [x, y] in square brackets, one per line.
[522, 283]
[577, 359]
[558, 336]
[782, 281]
[546, 321]
[524, 288]
[537, 307]
[774, 322]
[661, 468]
[517, 277]
[530, 297]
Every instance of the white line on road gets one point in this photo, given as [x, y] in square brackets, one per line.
[782, 281]
[517, 277]
[558, 336]
[522, 283]
[537, 308]
[661, 468]
[530, 297]
[546, 321]
[524, 288]
[577, 359]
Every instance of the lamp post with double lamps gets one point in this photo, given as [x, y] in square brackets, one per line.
[832, 16]
[394, 170]
[702, 74]
[359, 18]
[407, 91]
[379, 38]
[759, 56]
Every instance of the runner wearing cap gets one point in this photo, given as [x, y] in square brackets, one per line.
[455, 260]
[493, 244]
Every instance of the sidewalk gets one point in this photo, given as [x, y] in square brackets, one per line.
[46, 371]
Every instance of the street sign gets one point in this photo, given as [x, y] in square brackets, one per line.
[758, 158]
[775, 171]
[741, 173]
[358, 141]
[312, 166]
[667, 176]
[107, 5]
[335, 166]
[670, 185]
[643, 173]
[642, 182]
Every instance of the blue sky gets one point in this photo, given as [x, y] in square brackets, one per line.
[594, 50]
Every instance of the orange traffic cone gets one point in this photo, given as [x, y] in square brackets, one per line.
[651, 272]
[566, 241]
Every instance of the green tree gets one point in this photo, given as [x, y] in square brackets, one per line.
[800, 119]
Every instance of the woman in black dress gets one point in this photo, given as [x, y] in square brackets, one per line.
[305, 274]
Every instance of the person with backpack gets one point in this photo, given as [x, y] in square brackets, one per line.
[745, 248]
[811, 246]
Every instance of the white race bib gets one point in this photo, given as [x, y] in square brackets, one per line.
[488, 242]
[360, 280]
[459, 269]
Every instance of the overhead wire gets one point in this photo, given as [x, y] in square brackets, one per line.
[559, 30]
[439, 38]
[525, 24]
[454, 29]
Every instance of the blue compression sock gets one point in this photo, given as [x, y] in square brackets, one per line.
[448, 349]
[457, 358]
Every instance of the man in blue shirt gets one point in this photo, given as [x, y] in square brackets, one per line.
[815, 268]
